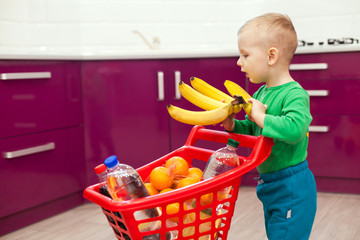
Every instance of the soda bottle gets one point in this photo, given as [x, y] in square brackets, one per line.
[124, 183]
[101, 172]
[221, 161]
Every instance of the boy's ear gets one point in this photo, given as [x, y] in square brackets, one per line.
[273, 55]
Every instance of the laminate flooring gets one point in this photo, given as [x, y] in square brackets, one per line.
[337, 218]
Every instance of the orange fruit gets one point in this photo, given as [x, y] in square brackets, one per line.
[186, 182]
[160, 178]
[178, 166]
[173, 208]
[195, 173]
[165, 190]
[206, 199]
[151, 189]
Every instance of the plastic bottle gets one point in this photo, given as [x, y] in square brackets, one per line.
[101, 172]
[124, 183]
[221, 161]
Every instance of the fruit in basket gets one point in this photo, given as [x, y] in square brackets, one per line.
[196, 173]
[161, 178]
[178, 166]
[186, 182]
[151, 189]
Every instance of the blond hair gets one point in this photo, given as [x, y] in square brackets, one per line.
[279, 32]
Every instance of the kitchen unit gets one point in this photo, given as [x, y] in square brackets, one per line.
[41, 141]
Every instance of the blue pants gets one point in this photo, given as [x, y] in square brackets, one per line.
[289, 201]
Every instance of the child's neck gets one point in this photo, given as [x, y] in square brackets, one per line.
[279, 79]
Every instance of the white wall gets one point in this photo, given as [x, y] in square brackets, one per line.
[71, 25]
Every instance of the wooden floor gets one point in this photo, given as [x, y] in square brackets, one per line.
[338, 218]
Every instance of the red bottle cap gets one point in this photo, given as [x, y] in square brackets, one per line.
[100, 168]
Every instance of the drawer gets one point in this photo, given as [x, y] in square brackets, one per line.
[53, 165]
[334, 146]
[333, 97]
[329, 66]
[37, 96]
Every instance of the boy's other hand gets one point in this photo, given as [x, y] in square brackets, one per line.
[229, 123]
[258, 112]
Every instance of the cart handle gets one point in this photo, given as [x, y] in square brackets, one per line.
[199, 132]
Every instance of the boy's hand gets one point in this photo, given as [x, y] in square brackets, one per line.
[258, 112]
[229, 123]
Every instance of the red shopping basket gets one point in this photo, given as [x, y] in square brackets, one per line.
[201, 221]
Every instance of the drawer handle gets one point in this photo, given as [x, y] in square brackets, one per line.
[177, 81]
[25, 75]
[318, 93]
[28, 151]
[308, 66]
[161, 93]
[320, 129]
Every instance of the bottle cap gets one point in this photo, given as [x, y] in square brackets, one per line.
[100, 168]
[233, 143]
[111, 161]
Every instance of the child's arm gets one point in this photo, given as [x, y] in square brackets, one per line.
[294, 121]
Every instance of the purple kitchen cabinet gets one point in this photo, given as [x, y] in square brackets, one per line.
[125, 106]
[333, 97]
[334, 146]
[41, 140]
[125, 112]
[54, 169]
[42, 180]
[326, 66]
[38, 96]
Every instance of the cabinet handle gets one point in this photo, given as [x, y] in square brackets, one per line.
[318, 93]
[320, 129]
[25, 75]
[177, 81]
[28, 151]
[161, 93]
[308, 66]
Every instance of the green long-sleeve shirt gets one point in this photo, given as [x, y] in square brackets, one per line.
[287, 122]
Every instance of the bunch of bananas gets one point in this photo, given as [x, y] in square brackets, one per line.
[217, 104]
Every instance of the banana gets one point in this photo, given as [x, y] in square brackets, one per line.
[235, 89]
[208, 90]
[198, 98]
[200, 117]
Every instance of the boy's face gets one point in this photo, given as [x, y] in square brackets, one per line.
[253, 55]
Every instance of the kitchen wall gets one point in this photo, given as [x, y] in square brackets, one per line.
[70, 26]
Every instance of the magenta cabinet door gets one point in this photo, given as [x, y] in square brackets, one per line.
[30, 180]
[334, 146]
[212, 70]
[45, 97]
[329, 66]
[125, 112]
[327, 97]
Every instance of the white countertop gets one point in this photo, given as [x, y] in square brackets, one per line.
[76, 54]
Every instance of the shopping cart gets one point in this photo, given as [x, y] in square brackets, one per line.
[199, 221]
